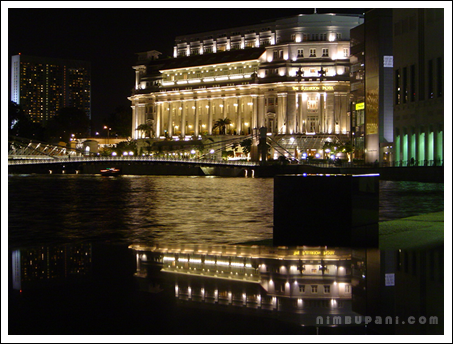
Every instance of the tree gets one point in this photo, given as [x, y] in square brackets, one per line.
[246, 146]
[222, 124]
[68, 121]
[146, 129]
[20, 125]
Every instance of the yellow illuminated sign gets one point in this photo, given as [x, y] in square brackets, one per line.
[314, 253]
[360, 106]
[313, 88]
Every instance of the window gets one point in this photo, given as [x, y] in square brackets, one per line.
[430, 79]
[312, 105]
[404, 85]
[345, 52]
[314, 289]
[235, 46]
[275, 54]
[324, 36]
[347, 288]
[338, 36]
[397, 87]
[325, 52]
[440, 80]
[194, 51]
[302, 288]
[300, 53]
[293, 37]
[312, 52]
[327, 289]
[208, 50]
[280, 54]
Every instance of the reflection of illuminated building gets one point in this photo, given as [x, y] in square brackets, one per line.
[50, 263]
[302, 280]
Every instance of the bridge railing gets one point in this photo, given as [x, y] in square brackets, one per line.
[130, 158]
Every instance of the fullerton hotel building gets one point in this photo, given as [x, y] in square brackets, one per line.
[290, 75]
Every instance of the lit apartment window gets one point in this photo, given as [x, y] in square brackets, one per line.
[300, 53]
[312, 52]
[345, 52]
[325, 52]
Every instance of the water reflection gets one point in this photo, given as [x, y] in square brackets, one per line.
[32, 266]
[307, 286]
[334, 290]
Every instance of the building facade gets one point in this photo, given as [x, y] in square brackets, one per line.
[418, 86]
[372, 87]
[42, 86]
[290, 75]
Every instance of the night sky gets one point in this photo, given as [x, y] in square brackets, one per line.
[110, 37]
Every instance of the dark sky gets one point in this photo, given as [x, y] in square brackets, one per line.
[110, 37]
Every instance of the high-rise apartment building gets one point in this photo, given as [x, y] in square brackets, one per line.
[290, 75]
[419, 86]
[42, 86]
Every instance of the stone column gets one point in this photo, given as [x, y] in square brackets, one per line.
[158, 120]
[141, 119]
[196, 118]
[322, 119]
[254, 119]
[304, 113]
[238, 116]
[291, 113]
[300, 117]
[210, 122]
[281, 113]
[183, 118]
[260, 112]
[170, 119]
[134, 122]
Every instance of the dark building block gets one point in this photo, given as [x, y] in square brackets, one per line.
[326, 210]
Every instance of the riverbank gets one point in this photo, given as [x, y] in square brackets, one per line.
[431, 174]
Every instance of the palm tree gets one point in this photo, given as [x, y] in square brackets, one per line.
[222, 124]
[146, 129]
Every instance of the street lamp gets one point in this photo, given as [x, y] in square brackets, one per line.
[108, 133]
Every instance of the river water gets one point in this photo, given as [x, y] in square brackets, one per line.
[72, 269]
[47, 209]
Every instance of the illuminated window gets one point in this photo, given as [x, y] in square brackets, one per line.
[312, 105]
[345, 52]
[347, 288]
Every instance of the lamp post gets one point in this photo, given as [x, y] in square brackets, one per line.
[108, 134]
